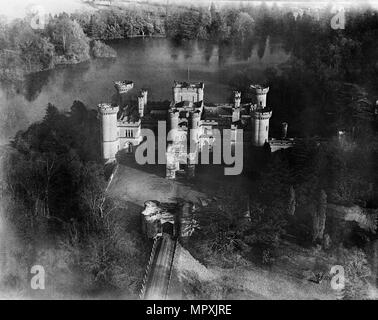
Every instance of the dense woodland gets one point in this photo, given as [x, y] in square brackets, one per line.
[54, 182]
[53, 191]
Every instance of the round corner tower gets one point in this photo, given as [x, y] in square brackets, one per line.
[260, 116]
[109, 129]
[237, 99]
[260, 92]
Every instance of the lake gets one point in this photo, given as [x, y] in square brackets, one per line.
[153, 63]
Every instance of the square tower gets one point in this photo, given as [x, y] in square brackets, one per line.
[184, 91]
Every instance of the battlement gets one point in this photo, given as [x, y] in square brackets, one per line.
[188, 120]
[187, 85]
[107, 108]
[279, 144]
[126, 123]
[123, 86]
[261, 114]
[185, 91]
[259, 89]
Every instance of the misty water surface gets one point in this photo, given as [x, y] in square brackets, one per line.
[150, 63]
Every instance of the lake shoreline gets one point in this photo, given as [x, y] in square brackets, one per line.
[151, 62]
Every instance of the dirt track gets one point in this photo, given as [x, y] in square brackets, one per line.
[137, 186]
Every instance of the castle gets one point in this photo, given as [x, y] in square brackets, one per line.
[189, 120]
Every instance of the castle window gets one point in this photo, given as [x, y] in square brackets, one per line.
[266, 128]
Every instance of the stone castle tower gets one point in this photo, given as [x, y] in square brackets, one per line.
[183, 91]
[109, 130]
[142, 102]
[190, 120]
[260, 116]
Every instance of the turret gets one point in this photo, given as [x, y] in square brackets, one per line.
[260, 93]
[236, 107]
[144, 94]
[237, 99]
[141, 105]
[109, 130]
[260, 116]
[284, 130]
[184, 91]
[123, 86]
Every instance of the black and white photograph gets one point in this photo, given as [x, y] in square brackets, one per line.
[171, 152]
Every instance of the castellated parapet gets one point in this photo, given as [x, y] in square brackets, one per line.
[190, 120]
[236, 107]
[260, 93]
[184, 91]
[144, 94]
[107, 108]
[260, 116]
[123, 86]
[237, 99]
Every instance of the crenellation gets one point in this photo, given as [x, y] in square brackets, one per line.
[123, 86]
[190, 120]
